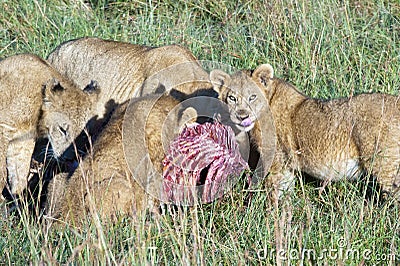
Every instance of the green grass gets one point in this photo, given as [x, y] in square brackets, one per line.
[327, 48]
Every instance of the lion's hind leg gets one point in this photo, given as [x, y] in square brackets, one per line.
[385, 166]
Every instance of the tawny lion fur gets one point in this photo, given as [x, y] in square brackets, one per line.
[333, 139]
[36, 101]
[125, 70]
[104, 182]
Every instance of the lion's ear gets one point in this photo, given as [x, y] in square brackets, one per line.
[219, 79]
[263, 74]
[185, 117]
[92, 88]
[189, 115]
[54, 86]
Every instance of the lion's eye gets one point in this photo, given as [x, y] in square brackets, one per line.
[232, 98]
[63, 131]
[252, 97]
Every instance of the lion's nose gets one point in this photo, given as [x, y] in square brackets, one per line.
[242, 115]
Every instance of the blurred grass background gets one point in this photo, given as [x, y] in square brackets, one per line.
[327, 48]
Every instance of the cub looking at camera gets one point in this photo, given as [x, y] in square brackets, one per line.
[249, 116]
[332, 139]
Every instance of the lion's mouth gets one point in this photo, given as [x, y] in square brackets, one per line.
[246, 124]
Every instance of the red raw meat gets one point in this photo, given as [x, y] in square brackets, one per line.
[200, 146]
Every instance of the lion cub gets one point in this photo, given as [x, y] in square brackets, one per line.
[123, 172]
[125, 70]
[36, 101]
[333, 139]
[249, 116]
